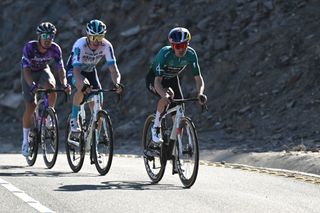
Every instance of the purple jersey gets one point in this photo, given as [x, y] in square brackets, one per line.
[37, 61]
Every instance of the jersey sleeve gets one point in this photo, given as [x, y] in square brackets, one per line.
[109, 54]
[26, 55]
[58, 58]
[195, 64]
[158, 64]
[76, 51]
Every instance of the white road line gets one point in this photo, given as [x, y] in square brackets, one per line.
[26, 198]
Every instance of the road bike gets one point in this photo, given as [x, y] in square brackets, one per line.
[180, 145]
[44, 131]
[96, 136]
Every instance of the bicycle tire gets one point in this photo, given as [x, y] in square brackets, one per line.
[104, 140]
[154, 165]
[188, 150]
[33, 142]
[75, 153]
[52, 133]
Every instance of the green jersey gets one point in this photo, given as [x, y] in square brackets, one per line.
[168, 65]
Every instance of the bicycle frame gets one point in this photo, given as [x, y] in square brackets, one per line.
[40, 118]
[96, 98]
[39, 133]
[176, 130]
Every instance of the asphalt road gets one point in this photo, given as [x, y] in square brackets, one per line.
[126, 188]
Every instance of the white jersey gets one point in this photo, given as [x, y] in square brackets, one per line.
[86, 59]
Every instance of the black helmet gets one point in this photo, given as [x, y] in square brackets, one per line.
[46, 27]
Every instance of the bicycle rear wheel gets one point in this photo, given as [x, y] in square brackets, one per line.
[50, 137]
[74, 148]
[154, 164]
[102, 145]
[188, 153]
[33, 142]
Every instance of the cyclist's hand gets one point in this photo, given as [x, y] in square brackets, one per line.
[202, 99]
[86, 89]
[85, 86]
[119, 88]
[33, 88]
[167, 98]
[67, 89]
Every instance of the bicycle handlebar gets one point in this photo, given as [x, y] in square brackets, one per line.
[49, 90]
[184, 100]
[204, 106]
[53, 90]
[97, 91]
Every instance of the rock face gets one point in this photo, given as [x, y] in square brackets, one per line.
[259, 60]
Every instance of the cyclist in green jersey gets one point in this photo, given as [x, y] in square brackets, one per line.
[162, 79]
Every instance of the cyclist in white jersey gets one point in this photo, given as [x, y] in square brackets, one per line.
[86, 53]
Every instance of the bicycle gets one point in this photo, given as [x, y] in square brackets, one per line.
[95, 135]
[180, 144]
[44, 131]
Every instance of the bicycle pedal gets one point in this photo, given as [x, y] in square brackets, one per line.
[175, 171]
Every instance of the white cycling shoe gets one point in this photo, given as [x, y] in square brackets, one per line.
[156, 135]
[25, 149]
[74, 125]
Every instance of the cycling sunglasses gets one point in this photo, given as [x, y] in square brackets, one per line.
[180, 45]
[47, 36]
[98, 38]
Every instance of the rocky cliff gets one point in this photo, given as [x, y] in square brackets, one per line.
[259, 59]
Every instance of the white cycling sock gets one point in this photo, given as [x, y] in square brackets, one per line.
[25, 135]
[157, 120]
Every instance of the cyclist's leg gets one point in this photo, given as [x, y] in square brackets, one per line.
[29, 109]
[47, 81]
[95, 83]
[155, 130]
[76, 101]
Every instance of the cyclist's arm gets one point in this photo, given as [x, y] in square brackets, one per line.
[158, 86]
[199, 84]
[62, 76]
[77, 76]
[115, 74]
[27, 76]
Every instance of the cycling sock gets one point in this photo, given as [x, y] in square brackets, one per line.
[25, 135]
[157, 120]
[75, 111]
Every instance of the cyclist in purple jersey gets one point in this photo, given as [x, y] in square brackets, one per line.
[38, 56]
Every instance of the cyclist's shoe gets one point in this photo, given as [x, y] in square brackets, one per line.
[156, 135]
[25, 149]
[74, 125]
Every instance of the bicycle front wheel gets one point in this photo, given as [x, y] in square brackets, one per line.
[188, 153]
[33, 142]
[103, 143]
[153, 162]
[74, 148]
[50, 137]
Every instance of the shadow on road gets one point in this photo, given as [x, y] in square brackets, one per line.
[120, 185]
[34, 172]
